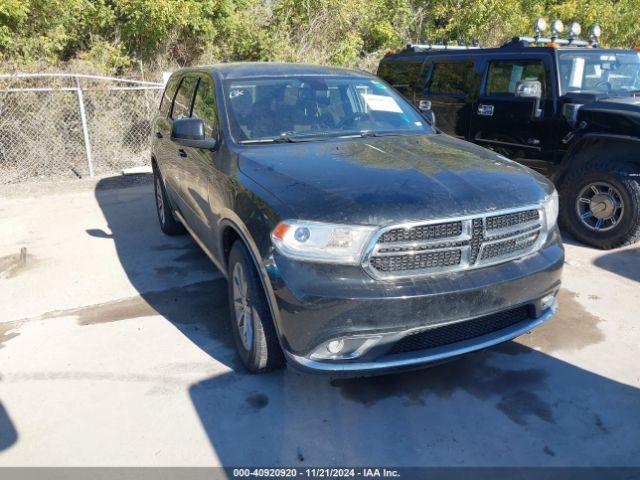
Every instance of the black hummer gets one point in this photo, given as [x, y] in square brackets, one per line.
[566, 108]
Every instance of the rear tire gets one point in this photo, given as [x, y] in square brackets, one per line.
[600, 204]
[253, 328]
[168, 222]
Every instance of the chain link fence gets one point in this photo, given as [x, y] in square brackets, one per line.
[55, 126]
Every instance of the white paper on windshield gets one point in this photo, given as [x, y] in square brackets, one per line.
[381, 103]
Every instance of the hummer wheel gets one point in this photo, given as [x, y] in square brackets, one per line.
[600, 204]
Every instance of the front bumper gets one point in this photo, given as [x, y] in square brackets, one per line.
[420, 358]
[317, 303]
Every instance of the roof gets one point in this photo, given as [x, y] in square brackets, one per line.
[272, 69]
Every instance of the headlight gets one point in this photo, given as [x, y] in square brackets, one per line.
[321, 242]
[551, 209]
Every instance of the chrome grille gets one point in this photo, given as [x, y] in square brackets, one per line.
[422, 232]
[512, 219]
[428, 248]
[420, 261]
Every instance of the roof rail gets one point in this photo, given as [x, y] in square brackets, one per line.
[411, 47]
[526, 41]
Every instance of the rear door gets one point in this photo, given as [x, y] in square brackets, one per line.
[162, 148]
[451, 86]
[509, 124]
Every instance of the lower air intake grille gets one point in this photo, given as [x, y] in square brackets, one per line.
[460, 331]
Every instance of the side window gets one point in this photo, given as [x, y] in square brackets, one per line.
[204, 106]
[402, 74]
[184, 98]
[503, 76]
[452, 78]
[167, 96]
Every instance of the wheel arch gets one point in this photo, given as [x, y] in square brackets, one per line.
[597, 147]
[231, 229]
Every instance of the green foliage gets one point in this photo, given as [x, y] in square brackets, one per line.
[115, 35]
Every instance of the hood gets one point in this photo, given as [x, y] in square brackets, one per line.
[615, 115]
[624, 105]
[374, 181]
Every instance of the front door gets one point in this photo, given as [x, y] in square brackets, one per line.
[518, 128]
[200, 168]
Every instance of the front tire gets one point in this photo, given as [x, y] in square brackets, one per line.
[600, 204]
[253, 329]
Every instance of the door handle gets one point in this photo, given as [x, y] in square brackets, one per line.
[158, 135]
[182, 153]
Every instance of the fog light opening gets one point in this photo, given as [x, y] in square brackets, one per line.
[345, 348]
[335, 346]
[548, 300]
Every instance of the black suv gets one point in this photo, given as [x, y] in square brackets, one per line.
[353, 236]
[569, 111]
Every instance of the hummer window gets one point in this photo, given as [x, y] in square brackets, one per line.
[504, 75]
[452, 78]
[404, 74]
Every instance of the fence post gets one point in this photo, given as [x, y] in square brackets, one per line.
[85, 129]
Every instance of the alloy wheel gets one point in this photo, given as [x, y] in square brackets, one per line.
[245, 312]
[599, 206]
[159, 201]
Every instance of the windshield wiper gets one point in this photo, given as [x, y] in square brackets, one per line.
[370, 133]
[280, 139]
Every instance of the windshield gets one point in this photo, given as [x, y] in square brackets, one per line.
[315, 107]
[599, 71]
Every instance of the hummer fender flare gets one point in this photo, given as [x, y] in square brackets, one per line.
[592, 146]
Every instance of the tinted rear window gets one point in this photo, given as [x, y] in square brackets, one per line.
[402, 73]
[452, 78]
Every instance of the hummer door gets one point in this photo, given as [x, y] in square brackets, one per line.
[451, 87]
[518, 127]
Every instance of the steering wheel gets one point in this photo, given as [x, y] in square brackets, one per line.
[605, 84]
[349, 119]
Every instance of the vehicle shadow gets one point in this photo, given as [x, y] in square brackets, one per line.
[513, 405]
[508, 406]
[8, 433]
[625, 263]
[172, 275]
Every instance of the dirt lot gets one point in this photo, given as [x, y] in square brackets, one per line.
[114, 350]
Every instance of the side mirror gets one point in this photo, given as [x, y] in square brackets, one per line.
[190, 133]
[530, 89]
[425, 108]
